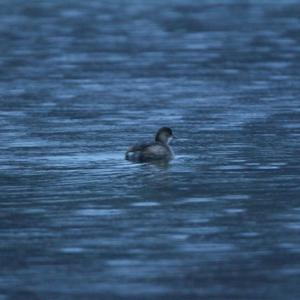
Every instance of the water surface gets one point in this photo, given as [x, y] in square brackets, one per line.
[80, 81]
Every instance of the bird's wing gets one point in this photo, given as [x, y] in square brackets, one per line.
[139, 147]
[154, 151]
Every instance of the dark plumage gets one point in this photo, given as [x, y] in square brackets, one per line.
[156, 151]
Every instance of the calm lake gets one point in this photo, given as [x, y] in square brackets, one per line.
[80, 81]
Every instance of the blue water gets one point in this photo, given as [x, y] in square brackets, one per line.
[80, 81]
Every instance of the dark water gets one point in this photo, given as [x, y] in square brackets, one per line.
[80, 81]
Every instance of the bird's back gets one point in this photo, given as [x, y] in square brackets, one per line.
[148, 151]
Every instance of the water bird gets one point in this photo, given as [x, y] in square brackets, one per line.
[159, 150]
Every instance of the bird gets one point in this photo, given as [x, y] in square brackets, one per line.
[159, 150]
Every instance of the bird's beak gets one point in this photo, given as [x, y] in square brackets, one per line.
[174, 136]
